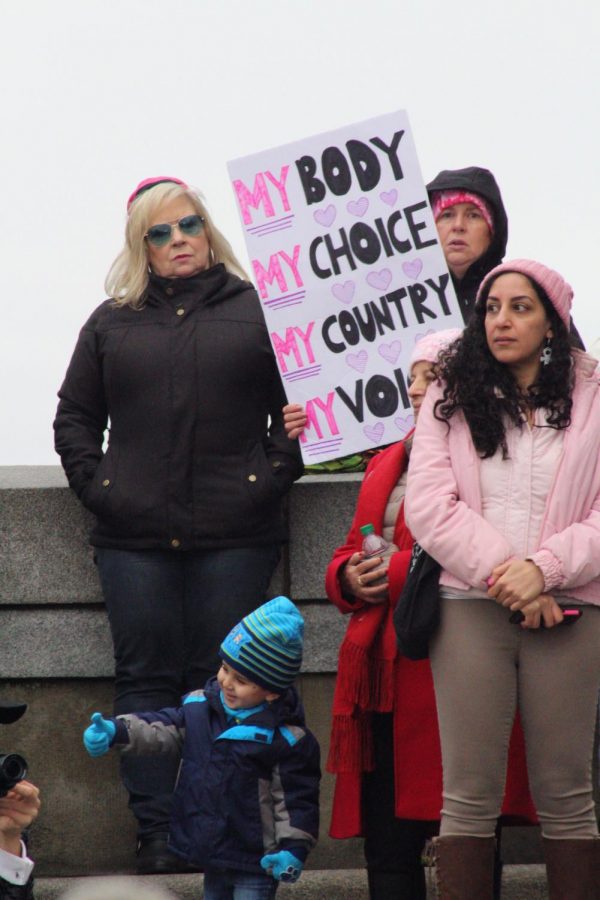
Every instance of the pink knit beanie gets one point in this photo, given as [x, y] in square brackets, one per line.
[148, 183]
[559, 292]
[442, 200]
[428, 348]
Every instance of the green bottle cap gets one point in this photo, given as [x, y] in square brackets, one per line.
[367, 529]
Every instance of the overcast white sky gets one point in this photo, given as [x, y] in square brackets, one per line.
[98, 94]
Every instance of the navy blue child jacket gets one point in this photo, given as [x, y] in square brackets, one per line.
[244, 788]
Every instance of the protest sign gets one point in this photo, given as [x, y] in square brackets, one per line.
[348, 267]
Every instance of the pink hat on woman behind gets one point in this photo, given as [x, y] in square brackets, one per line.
[441, 200]
[148, 183]
[559, 292]
[428, 348]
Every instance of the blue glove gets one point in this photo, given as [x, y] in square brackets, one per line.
[97, 737]
[283, 866]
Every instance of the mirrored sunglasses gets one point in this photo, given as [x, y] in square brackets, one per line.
[159, 235]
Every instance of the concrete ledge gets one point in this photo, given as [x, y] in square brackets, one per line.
[54, 643]
[49, 643]
[15, 477]
[45, 557]
[320, 512]
[518, 883]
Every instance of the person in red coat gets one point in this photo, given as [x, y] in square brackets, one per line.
[385, 748]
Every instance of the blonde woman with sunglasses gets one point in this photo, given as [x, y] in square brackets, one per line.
[187, 491]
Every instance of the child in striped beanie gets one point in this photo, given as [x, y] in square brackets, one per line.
[266, 646]
[246, 805]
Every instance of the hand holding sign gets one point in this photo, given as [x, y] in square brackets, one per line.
[294, 419]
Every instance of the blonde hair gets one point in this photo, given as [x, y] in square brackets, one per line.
[127, 278]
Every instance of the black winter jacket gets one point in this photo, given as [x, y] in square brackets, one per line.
[188, 383]
[244, 788]
[482, 182]
[16, 891]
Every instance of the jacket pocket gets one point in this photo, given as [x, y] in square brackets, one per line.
[96, 494]
[260, 477]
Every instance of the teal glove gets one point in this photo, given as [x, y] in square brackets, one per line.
[283, 866]
[97, 737]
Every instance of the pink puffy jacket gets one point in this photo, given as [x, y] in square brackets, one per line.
[443, 499]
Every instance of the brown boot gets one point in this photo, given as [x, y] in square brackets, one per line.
[573, 868]
[465, 867]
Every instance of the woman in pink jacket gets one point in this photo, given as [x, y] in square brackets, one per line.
[384, 748]
[504, 491]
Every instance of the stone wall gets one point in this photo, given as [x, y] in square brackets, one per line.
[57, 656]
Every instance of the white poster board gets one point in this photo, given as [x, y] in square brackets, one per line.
[350, 273]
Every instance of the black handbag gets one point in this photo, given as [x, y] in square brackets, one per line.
[417, 613]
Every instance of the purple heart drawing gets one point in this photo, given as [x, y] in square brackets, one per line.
[358, 207]
[412, 268]
[374, 432]
[404, 423]
[344, 292]
[358, 360]
[380, 280]
[419, 337]
[390, 352]
[389, 197]
[325, 216]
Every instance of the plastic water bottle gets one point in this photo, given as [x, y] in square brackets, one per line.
[374, 545]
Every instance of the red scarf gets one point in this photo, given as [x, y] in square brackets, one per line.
[365, 677]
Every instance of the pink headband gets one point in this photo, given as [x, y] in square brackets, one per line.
[148, 183]
[428, 348]
[442, 200]
[559, 292]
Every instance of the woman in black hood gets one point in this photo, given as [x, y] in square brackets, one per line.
[469, 214]
[473, 183]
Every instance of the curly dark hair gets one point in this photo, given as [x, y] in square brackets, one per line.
[486, 391]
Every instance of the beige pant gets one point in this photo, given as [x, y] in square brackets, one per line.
[482, 668]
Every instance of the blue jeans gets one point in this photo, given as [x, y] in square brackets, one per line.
[229, 884]
[168, 614]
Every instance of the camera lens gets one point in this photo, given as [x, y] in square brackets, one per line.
[13, 769]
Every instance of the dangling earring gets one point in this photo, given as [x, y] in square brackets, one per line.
[546, 357]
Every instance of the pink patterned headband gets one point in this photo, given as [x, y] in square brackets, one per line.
[148, 183]
[444, 199]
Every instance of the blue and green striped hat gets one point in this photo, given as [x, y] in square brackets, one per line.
[266, 646]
